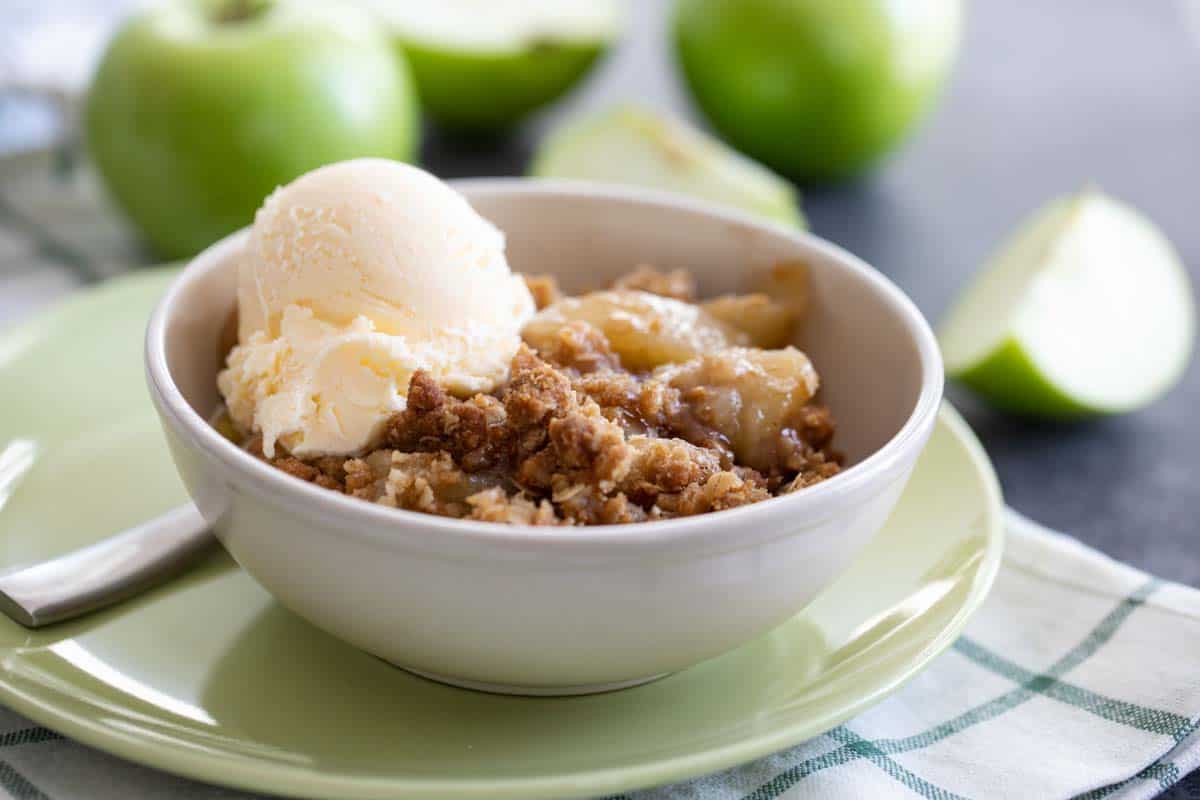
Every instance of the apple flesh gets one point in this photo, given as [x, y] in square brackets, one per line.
[200, 109]
[1086, 310]
[635, 145]
[815, 89]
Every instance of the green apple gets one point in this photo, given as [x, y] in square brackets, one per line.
[200, 108]
[1087, 310]
[483, 65]
[816, 89]
[634, 145]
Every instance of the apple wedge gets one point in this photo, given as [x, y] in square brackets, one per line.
[1087, 310]
[483, 65]
[633, 145]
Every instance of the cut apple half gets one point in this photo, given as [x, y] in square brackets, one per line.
[1087, 310]
[633, 145]
[486, 64]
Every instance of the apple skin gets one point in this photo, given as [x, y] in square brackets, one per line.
[192, 122]
[816, 89]
[1010, 380]
[486, 92]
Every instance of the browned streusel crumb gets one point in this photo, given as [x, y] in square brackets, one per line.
[665, 466]
[430, 482]
[590, 446]
[324, 473]
[648, 406]
[411, 483]
[536, 392]
[814, 472]
[723, 490]
[297, 468]
[493, 505]
[472, 431]
[619, 510]
[816, 426]
[588, 505]
[582, 448]
[574, 438]
[544, 289]
[641, 406]
[678, 283]
[581, 347]
[363, 481]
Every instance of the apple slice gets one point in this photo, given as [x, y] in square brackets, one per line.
[484, 64]
[637, 146]
[1087, 310]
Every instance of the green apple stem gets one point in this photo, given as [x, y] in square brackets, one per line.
[233, 11]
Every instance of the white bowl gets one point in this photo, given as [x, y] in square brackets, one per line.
[557, 611]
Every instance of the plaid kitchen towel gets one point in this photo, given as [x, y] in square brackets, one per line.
[1078, 678]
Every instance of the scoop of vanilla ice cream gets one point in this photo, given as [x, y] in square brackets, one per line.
[356, 275]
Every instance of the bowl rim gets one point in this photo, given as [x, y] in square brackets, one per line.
[815, 503]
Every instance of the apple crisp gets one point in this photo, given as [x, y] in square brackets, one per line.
[623, 405]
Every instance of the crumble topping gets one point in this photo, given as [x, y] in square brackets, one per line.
[577, 437]
[677, 284]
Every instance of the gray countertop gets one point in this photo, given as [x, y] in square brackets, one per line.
[1048, 96]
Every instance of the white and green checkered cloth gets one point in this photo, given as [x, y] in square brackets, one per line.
[1077, 679]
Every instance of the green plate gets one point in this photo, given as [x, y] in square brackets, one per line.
[209, 678]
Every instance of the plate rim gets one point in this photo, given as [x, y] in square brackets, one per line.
[241, 772]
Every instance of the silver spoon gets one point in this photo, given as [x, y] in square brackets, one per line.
[101, 574]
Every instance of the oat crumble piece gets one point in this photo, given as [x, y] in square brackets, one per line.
[678, 283]
[493, 505]
[581, 347]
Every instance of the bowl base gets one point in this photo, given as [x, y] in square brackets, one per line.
[531, 691]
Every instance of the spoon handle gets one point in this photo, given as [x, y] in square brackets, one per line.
[106, 572]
